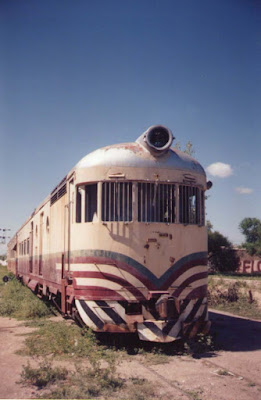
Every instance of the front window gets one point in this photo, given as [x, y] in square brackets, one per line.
[153, 201]
[117, 201]
[156, 202]
[189, 205]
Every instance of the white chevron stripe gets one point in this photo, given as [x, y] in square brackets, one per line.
[173, 333]
[117, 307]
[187, 274]
[145, 333]
[105, 284]
[194, 285]
[201, 308]
[99, 311]
[187, 310]
[84, 316]
[110, 269]
[101, 314]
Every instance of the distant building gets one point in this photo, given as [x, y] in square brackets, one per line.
[248, 264]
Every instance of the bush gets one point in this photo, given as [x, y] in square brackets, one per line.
[221, 256]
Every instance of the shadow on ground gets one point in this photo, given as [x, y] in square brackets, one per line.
[227, 332]
[234, 333]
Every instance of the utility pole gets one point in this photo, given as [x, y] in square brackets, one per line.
[4, 235]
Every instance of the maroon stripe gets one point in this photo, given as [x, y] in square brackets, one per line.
[188, 281]
[119, 264]
[177, 273]
[102, 275]
[137, 296]
[97, 293]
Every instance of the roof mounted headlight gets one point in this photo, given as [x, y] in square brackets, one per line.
[157, 139]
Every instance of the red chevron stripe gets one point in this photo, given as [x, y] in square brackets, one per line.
[176, 274]
[97, 293]
[102, 275]
[119, 264]
[188, 281]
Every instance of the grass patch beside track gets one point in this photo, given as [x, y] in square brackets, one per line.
[18, 301]
[237, 296]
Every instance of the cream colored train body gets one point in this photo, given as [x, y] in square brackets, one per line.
[121, 242]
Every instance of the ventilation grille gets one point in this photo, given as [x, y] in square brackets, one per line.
[59, 191]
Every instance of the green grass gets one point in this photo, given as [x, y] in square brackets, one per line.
[82, 382]
[61, 339]
[18, 301]
[238, 276]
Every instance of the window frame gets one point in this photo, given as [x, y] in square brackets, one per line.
[119, 208]
[173, 190]
[163, 195]
[81, 208]
[190, 214]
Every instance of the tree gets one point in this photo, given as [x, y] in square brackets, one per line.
[251, 229]
[221, 254]
[188, 148]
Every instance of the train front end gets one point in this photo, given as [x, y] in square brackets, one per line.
[138, 241]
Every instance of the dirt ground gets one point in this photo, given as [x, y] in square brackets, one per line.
[233, 372]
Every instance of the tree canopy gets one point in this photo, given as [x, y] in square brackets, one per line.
[221, 254]
[251, 229]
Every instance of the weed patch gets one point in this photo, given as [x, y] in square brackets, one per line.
[232, 297]
[45, 374]
[84, 382]
[140, 389]
[81, 382]
[198, 345]
[61, 339]
[19, 302]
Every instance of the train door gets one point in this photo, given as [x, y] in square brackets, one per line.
[70, 217]
[41, 244]
[31, 248]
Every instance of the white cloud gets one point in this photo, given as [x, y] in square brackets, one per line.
[243, 190]
[220, 169]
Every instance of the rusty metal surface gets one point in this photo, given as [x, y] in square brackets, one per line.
[134, 155]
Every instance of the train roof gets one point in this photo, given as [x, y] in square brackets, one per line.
[136, 155]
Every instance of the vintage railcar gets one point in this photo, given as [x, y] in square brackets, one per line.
[121, 242]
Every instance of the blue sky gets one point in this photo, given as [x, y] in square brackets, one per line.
[78, 75]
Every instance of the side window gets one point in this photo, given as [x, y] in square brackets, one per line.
[189, 205]
[79, 205]
[117, 201]
[202, 208]
[47, 225]
[86, 197]
[90, 202]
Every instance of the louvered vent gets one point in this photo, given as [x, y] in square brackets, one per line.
[59, 191]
